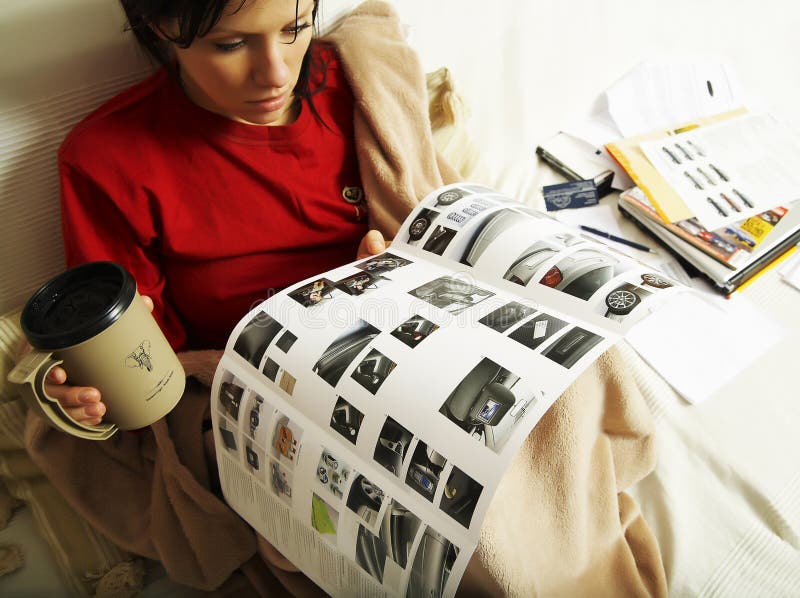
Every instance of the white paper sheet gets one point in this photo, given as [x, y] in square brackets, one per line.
[699, 344]
[669, 90]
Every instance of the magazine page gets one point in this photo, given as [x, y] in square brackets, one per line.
[496, 240]
[363, 419]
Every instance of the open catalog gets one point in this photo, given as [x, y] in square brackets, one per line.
[364, 418]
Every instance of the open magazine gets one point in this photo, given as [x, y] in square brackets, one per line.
[364, 418]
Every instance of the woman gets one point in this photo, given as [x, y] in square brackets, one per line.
[226, 176]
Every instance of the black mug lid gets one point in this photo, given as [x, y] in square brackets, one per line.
[77, 305]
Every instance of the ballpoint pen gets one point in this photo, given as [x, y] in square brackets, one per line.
[610, 237]
[706, 177]
[730, 202]
[695, 147]
[720, 174]
[746, 201]
[672, 156]
[695, 182]
[686, 154]
[718, 207]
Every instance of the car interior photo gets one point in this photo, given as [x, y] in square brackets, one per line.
[712, 488]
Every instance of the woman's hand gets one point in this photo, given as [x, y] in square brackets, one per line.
[373, 243]
[82, 403]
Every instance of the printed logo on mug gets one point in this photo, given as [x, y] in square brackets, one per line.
[92, 321]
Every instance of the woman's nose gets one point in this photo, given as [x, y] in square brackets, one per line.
[269, 67]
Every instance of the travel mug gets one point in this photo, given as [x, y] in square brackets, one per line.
[92, 321]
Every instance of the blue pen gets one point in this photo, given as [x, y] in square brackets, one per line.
[609, 236]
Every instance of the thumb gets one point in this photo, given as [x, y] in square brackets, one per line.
[372, 243]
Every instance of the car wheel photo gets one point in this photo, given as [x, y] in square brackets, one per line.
[417, 228]
[449, 197]
[654, 280]
[622, 301]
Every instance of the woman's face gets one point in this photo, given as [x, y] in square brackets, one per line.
[247, 66]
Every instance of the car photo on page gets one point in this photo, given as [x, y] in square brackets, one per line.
[488, 402]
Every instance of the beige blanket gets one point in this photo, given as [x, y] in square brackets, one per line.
[560, 523]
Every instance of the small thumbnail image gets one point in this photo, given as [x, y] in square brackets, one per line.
[420, 224]
[361, 282]
[370, 553]
[385, 262]
[343, 350]
[256, 337]
[451, 196]
[424, 470]
[536, 331]
[392, 446]
[285, 342]
[451, 294]
[365, 499]
[657, 281]
[314, 293]
[280, 480]
[270, 369]
[399, 527]
[346, 419]
[488, 402]
[324, 518]
[439, 239]
[414, 330]
[230, 398]
[286, 440]
[622, 300]
[287, 382]
[228, 435]
[255, 458]
[576, 343]
[506, 316]
[255, 412]
[467, 212]
[433, 562]
[333, 473]
[461, 494]
[373, 370]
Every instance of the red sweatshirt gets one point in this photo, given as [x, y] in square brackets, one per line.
[211, 216]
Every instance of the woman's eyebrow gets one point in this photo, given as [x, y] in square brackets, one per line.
[224, 31]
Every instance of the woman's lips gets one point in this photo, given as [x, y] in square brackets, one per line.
[269, 104]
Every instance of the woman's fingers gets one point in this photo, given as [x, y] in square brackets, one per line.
[81, 403]
[371, 244]
[148, 302]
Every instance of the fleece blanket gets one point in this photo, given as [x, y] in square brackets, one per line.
[560, 524]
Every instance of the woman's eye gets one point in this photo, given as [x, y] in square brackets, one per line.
[229, 46]
[294, 30]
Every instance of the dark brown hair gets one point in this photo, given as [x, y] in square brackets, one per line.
[195, 18]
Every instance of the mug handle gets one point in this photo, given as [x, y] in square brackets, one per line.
[30, 374]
